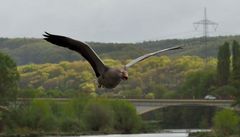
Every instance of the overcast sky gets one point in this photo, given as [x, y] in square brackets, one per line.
[116, 20]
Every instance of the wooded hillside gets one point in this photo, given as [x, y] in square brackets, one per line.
[30, 50]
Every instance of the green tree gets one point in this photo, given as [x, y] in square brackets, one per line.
[126, 119]
[150, 95]
[223, 66]
[225, 92]
[236, 61]
[235, 81]
[8, 79]
[197, 84]
[98, 116]
[225, 123]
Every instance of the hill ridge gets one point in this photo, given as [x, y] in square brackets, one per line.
[35, 50]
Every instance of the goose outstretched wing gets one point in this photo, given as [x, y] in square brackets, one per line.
[84, 49]
[149, 55]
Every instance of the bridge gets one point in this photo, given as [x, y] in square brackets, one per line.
[147, 105]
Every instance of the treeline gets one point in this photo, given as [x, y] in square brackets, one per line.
[78, 116]
[156, 77]
[224, 81]
[228, 69]
[37, 51]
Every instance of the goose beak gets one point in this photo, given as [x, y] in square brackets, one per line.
[125, 78]
[124, 74]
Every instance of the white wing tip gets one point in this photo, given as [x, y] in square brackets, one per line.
[178, 47]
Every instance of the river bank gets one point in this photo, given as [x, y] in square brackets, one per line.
[167, 132]
[105, 135]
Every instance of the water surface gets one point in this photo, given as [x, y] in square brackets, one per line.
[145, 135]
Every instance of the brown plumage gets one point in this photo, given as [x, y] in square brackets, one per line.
[107, 77]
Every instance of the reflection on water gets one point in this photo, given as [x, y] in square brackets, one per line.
[166, 133]
[146, 135]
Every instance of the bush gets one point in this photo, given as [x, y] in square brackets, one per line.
[84, 114]
[126, 118]
[71, 125]
[37, 116]
[225, 123]
[150, 95]
[98, 116]
[40, 116]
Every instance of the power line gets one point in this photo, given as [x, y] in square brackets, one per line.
[205, 22]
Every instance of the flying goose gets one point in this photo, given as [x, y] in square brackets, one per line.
[108, 77]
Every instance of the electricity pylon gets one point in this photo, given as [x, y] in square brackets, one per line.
[205, 23]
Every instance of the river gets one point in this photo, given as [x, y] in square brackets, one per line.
[145, 135]
[167, 133]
